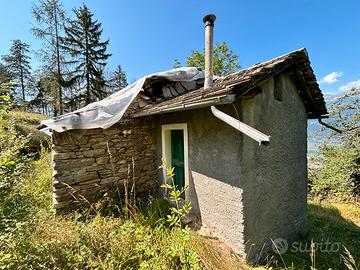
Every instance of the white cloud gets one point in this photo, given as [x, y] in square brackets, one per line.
[350, 85]
[332, 77]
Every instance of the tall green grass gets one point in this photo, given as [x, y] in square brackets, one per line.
[37, 239]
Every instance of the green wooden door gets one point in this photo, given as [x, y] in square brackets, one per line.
[177, 157]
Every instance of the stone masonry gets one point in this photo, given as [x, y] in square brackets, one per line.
[88, 163]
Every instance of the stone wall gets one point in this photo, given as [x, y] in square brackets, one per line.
[88, 163]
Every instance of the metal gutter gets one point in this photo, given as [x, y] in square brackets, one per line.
[219, 100]
[253, 133]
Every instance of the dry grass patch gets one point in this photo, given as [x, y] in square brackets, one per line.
[54, 229]
[28, 117]
[214, 254]
[349, 212]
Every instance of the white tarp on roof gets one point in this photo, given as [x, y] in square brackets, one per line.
[107, 112]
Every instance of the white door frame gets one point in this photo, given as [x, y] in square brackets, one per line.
[166, 148]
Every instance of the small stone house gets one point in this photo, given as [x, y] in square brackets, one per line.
[245, 193]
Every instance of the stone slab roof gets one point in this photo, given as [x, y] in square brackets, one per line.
[241, 83]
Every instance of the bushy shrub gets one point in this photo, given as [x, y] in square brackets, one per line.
[12, 164]
[335, 169]
[99, 242]
[37, 139]
[332, 171]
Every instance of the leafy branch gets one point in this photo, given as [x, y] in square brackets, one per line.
[182, 208]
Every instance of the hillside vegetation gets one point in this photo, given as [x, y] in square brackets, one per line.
[104, 237]
[107, 237]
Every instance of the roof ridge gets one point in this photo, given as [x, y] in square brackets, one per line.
[303, 49]
[247, 78]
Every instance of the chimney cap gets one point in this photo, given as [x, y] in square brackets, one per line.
[209, 18]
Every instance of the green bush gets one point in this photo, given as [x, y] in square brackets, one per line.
[332, 171]
[335, 170]
[12, 165]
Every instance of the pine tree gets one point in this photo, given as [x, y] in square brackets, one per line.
[51, 17]
[100, 82]
[118, 79]
[88, 52]
[43, 86]
[18, 64]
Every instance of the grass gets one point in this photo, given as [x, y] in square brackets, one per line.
[33, 238]
[26, 124]
[46, 241]
[334, 223]
[349, 212]
[215, 255]
[40, 240]
[27, 117]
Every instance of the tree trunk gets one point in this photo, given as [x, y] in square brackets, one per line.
[22, 79]
[58, 62]
[87, 69]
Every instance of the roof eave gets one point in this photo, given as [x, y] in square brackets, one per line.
[213, 101]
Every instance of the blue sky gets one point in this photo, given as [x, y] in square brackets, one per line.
[146, 36]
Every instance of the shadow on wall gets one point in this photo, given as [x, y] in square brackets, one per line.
[195, 213]
[214, 166]
[215, 147]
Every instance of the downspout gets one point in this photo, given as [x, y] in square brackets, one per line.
[327, 125]
[251, 132]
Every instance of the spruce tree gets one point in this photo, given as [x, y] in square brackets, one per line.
[82, 41]
[5, 75]
[43, 88]
[118, 79]
[17, 62]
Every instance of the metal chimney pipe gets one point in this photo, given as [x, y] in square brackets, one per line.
[209, 62]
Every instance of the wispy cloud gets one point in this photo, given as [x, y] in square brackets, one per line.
[331, 78]
[350, 85]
